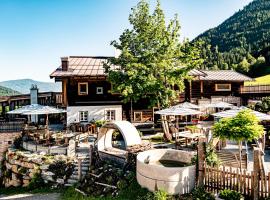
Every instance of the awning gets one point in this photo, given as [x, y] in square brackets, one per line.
[220, 105]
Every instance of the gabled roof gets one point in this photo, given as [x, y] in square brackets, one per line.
[224, 75]
[82, 66]
[93, 66]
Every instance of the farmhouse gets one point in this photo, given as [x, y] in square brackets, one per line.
[87, 93]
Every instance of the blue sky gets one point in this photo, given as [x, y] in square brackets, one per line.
[34, 34]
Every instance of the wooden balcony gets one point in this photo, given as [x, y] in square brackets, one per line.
[255, 89]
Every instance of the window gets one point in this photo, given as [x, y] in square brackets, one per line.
[99, 90]
[110, 115]
[83, 88]
[223, 87]
[84, 116]
[137, 116]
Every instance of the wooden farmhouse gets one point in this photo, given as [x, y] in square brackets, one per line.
[86, 92]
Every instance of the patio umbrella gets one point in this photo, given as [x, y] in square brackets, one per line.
[36, 109]
[235, 111]
[220, 105]
[178, 111]
[186, 105]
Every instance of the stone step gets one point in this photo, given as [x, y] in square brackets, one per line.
[76, 173]
[84, 168]
[72, 181]
[68, 185]
[73, 177]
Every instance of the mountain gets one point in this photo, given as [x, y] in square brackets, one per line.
[244, 37]
[7, 92]
[23, 85]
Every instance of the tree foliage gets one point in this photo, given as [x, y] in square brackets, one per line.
[244, 126]
[151, 56]
[264, 105]
[242, 36]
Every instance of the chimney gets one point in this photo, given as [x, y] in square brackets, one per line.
[64, 61]
[34, 94]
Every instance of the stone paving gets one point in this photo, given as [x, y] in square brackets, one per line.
[50, 196]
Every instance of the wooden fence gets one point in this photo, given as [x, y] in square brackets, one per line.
[7, 127]
[217, 179]
[255, 89]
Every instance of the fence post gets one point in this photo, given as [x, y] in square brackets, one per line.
[201, 160]
[256, 170]
[79, 169]
[91, 149]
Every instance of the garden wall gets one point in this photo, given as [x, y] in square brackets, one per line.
[6, 140]
[20, 167]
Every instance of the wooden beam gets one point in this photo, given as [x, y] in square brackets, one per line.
[64, 92]
[201, 88]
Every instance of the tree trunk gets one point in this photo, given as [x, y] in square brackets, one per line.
[240, 154]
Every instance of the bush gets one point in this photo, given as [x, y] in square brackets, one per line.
[200, 194]
[160, 195]
[230, 195]
[36, 182]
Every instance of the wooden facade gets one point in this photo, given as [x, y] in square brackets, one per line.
[92, 97]
[199, 89]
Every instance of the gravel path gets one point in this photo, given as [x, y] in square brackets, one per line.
[51, 196]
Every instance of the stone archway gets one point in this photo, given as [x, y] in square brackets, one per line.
[104, 143]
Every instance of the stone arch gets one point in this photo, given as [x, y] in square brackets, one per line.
[129, 132]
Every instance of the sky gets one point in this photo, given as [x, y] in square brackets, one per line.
[34, 34]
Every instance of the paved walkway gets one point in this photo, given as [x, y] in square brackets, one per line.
[50, 196]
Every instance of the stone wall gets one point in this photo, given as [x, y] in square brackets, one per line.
[6, 140]
[19, 168]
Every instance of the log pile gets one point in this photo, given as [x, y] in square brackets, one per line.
[133, 152]
[105, 179]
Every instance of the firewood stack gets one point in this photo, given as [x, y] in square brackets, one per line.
[105, 179]
[133, 152]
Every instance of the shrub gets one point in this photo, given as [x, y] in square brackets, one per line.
[160, 195]
[36, 182]
[200, 194]
[230, 195]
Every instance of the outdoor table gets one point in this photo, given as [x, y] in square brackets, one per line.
[188, 135]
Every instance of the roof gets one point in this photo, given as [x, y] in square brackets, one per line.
[82, 66]
[93, 66]
[224, 75]
[196, 72]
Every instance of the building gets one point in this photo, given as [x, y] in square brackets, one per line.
[9, 103]
[219, 85]
[87, 95]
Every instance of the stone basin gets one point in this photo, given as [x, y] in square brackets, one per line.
[176, 177]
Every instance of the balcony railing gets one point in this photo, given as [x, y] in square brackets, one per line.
[252, 89]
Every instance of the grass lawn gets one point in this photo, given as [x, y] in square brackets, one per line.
[259, 81]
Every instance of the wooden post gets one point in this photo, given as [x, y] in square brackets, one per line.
[201, 161]
[79, 169]
[91, 149]
[64, 92]
[256, 171]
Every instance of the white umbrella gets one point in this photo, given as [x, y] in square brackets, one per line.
[186, 105]
[178, 111]
[235, 111]
[220, 105]
[36, 109]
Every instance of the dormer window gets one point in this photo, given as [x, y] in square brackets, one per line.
[83, 88]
